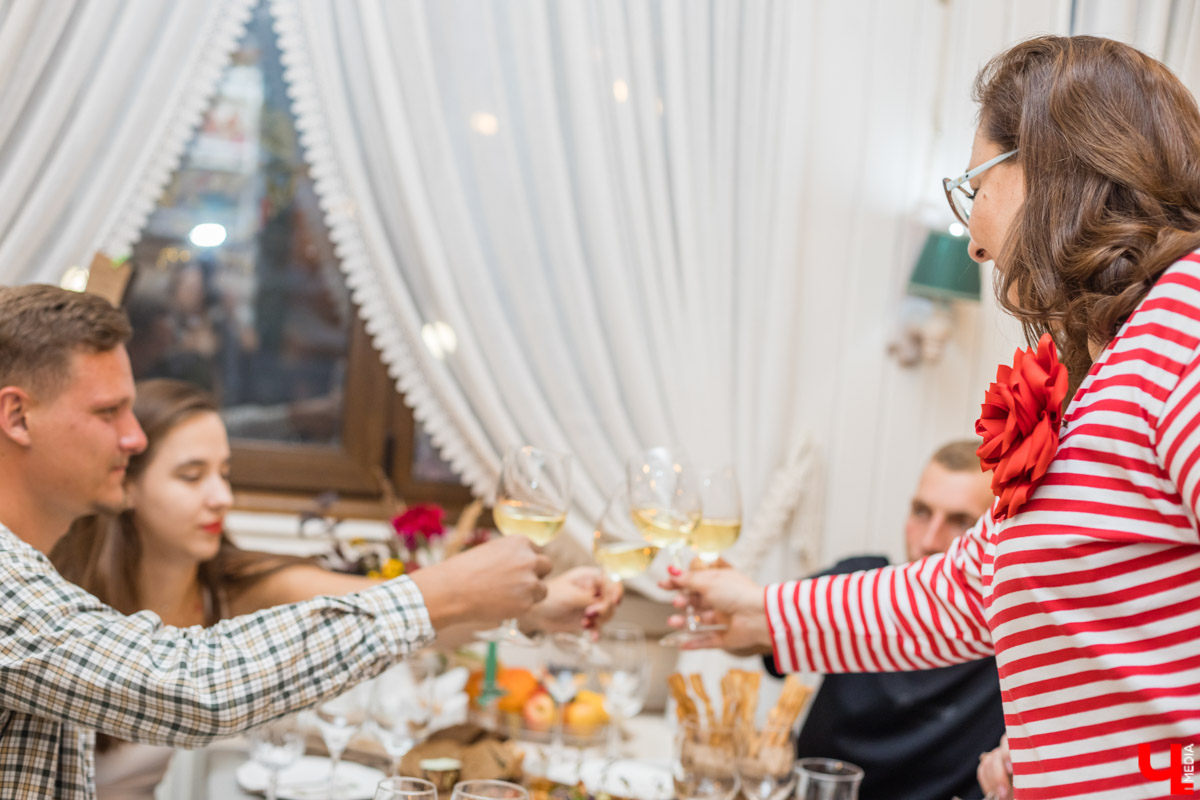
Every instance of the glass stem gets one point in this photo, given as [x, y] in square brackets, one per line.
[693, 619]
[273, 785]
[558, 749]
[335, 758]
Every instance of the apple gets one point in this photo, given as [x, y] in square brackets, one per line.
[538, 712]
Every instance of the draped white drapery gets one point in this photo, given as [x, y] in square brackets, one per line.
[97, 100]
[597, 199]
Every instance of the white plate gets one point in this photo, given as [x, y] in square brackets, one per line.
[305, 780]
[643, 780]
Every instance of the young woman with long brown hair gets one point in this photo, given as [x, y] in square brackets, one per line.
[1084, 577]
[168, 553]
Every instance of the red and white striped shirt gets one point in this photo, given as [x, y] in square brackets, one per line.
[1089, 597]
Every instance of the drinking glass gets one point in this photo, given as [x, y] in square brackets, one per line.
[765, 762]
[617, 544]
[827, 779]
[401, 708]
[565, 673]
[624, 675]
[703, 767]
[488, 790]
[531, 501]
[338, 719]
[718, 530]
[276, 745]
[665, 504]
[405, 789]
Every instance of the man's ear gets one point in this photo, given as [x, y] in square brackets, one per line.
[14, 406]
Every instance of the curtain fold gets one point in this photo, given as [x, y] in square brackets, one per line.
[97, 100]
[592, 197]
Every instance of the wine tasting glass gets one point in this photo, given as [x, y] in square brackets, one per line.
[565, 673]
[338, 719]
[531, 501]
[401, 708]
[405, 789]
[617, 544]
[488, 790]
[665, 504]
[624, 675]
[276, 745]
[718, 530]
[664, 500]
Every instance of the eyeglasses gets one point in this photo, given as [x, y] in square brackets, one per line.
[958, 191]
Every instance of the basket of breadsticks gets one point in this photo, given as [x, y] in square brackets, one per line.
[718, 746]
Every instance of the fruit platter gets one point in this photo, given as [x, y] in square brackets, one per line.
[527, 710]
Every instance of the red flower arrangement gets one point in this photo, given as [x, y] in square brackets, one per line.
[1019, 423]
[419, 526]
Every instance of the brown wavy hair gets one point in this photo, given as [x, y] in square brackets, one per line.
[102, 552]
[1108, 141]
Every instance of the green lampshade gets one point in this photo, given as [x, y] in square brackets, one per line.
[945, 271]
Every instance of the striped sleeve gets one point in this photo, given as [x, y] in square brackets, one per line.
[928, 613]
[1178, 436]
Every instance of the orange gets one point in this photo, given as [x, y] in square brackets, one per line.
[520, 684]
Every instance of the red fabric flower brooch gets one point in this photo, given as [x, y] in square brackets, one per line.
[1019, 423]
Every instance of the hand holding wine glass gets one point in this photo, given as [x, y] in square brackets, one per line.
[531, 501]
[718, 530]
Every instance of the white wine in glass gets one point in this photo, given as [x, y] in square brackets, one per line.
[514, 518]
[531, 501]
[663, 500]
[718, 530]
[616, 543]
[664, 527]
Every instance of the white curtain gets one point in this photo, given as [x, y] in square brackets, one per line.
[598, 200]
[97, 100]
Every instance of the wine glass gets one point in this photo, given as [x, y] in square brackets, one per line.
[665, 504]
[401, 708]
[718, 530]
[664, 501]
[338, 719]
[531, 501]
[488, 790]
[398, 788]
[617, 544]
[827, 779]
[564, 674]
[624, 675]
[703, 767]
[276, 745]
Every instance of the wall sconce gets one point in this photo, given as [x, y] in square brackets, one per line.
[943, 272]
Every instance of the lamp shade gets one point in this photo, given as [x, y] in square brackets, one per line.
[945, 271]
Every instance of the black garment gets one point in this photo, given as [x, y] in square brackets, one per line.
[917, 735]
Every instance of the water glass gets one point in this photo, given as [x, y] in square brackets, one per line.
[703, 766]
[488, 790]
[766, 762]
[405, 789]
[827, 779]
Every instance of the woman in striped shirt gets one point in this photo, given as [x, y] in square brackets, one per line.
[1084, 577]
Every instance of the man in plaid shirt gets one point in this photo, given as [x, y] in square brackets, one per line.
[70, 665]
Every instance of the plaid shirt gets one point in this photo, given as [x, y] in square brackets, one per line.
[70, 664]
